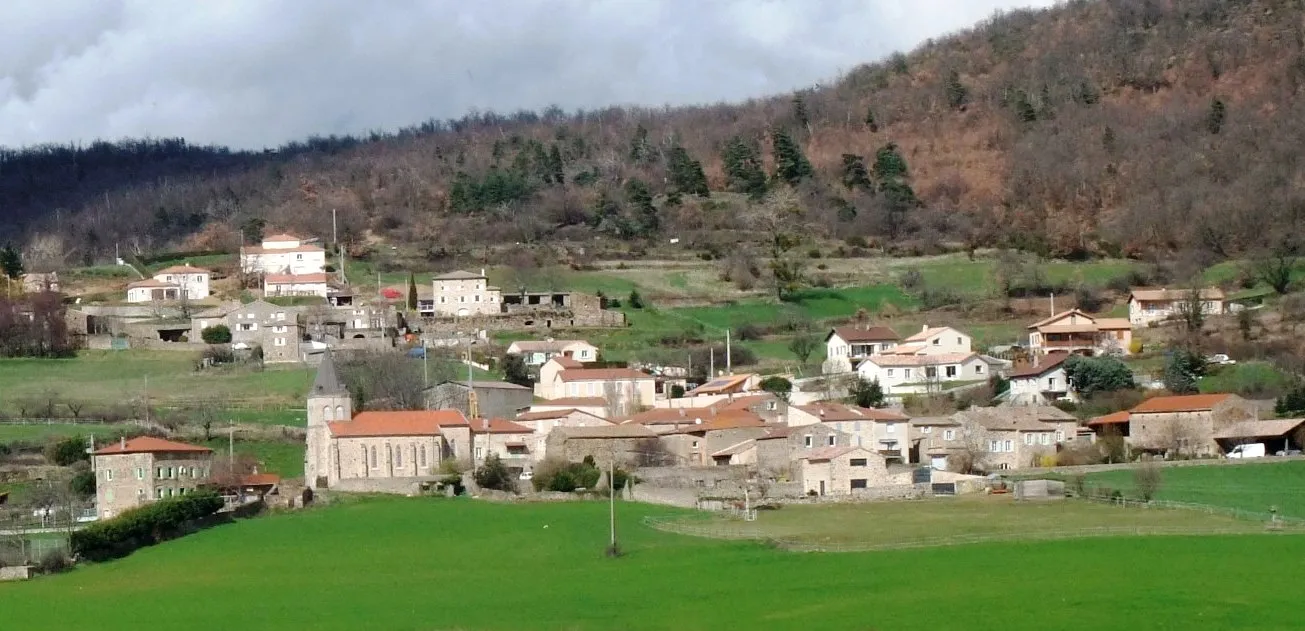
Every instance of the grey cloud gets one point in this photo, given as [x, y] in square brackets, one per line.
[255, 73]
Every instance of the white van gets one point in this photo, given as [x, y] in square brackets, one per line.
[1249, 450]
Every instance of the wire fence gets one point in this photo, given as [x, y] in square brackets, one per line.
[1228, 511]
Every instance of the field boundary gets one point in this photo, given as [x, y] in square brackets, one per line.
[1209, 509]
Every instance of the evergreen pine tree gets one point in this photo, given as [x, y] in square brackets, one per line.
[800, 113]
[957, 94]
[791, 165]
[641, 151]
[641, 200]
[889, 164]
[686, 174]
[1108, 139]
[11, 262]
[555, 165]
[1214, 120]
[412, 292]
[1023, 107]
[870, 121]
[855, 174]
[743, 171]
[1048, 107]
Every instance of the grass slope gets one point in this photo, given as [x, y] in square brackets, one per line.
[458, 564]
[1252, 487]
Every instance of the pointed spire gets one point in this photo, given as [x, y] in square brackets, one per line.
[328, 378]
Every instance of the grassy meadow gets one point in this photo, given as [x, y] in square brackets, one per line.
[462, 564]
[1252, 487]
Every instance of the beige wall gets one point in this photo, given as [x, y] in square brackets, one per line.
[542, 427]
[125, 481]
[695, 449]
[497, 444]
[466, 297]
[1191, 433]
[636, 392]
[838, 473]
[384, 457]
[602, 449]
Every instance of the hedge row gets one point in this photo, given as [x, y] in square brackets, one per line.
[151, 259]
[144, 526]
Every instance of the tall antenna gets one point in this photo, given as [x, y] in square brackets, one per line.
[473, 404]
[729, 366]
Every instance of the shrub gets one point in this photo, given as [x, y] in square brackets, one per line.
[1097, 374]
[144, 526]
[493, 474]
[216, 334]
[220, 354]
[635, 300]
[677, 391]
[1147, 478]
[1088, 299]
[83, 483]
[749, 332]
[67, 451]
[53, 562]
[912, 279]
[777, 386]
[1135, 346]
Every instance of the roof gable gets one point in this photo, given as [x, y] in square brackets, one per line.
[150, 444]
[851, 334]
[1180, 403]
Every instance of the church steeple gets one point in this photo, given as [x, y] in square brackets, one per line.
[327, 381]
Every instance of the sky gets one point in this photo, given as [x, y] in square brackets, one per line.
[257, 73]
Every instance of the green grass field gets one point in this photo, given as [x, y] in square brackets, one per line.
[461, 564]
[1251, 487]
[285, 458]
[46, 431]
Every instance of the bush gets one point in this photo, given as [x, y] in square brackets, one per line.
[67, 451]
[220, 354]
[677, 392]
[1147, 478]
[749, 332]
[635, 300]
[564, 477]
[216, 334]
[495, 475]
[83, 483]
[1091, 375]
[144, 526]
[1135, 346]
[777, 386]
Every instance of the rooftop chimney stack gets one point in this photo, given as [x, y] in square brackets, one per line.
[122, 441]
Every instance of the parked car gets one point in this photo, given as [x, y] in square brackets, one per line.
[527, 475]
[1248, 450]
[1220, 359]
[1288, 452]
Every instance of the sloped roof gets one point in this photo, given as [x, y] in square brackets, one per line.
[1061, 316]
[295, 279]
[498, 426]
[1163, 294]
[720, 385]
[545, 346]
[398, 423]
[829, 453]
[566, 362]
[488, 385]
[149, 444]
[601, 374]
[625, 430]
[934, 421]
[670, 416]
[1026, 419]
[854, 334]
[927, 333]
[735, 449]
[743, 402]
[545, 415]
[1111, 324]
[1114, 418]
[1046, 365]
[459, 275]
[1258, 429]
[894, 361]
[723, 421]
[327, 381]
[282, 237]
[151, 284]
[579, 402]
[831, 412]
[1180, 403]
[182, 269]
[260, 479]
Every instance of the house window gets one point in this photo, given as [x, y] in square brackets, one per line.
[1060, 436]
[140, 473]
[978, 369]
[158, 493]
[280, 341]
[1028, 439]
[772, 405]
[890, 372]
[373, 454]
[280, 315]
[1010, 446]
[832, 440]
[249, 316]
[1051, 383]
[398, 457]
[1046, 438]
[960, 342]
[994, 446]
[479, 452]
[856, 462]
[951, 371]
[159, 473]
[806, 440]
[936, 341]
[299, 257]
[245, 326]
[906, 372]
[927, 429]
[140, 494]
[339, 412]
[931, 372]
[949, 434]
[859, 483]
[108, 475]
[695, 444]
[477, 297]
[422, 453]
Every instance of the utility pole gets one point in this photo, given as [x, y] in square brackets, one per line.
[729, 366]
[231, 447]
[147, 399]
[612, 550]
[711, 363]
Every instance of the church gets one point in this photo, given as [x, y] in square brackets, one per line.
[376, 451]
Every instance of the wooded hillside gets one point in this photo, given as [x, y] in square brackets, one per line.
[1136, 127]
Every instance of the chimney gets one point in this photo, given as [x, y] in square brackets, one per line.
[122, 442]
[924, 328]
[482, 271]
[822, 412]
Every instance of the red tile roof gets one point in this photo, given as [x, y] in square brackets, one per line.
[181, 269]
[1046, 365]
[260, 479]
[150, 282]
[498, 426]
[670, 416]
[288, 279]
[398, 423]
[602, 374]
[1113, 418]
[721, 385]
[548, 414]
[725, 420]
[1180, 403]
[565, 362]
[830, 412]
[151, 445]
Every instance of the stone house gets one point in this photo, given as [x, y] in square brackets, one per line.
[769, 407]
[373, 449]
[886, 431]
[545, 421]
[1076, 332]
[596, 406]
[37, 282]
[462, 294]
[779, 450]
[1148, 305]
[934, 439]
[536, 352]
[1015, 437]
[845, 347]
[511, 442]
[274, 328]
[494, 399]
[131, 473]
[1187, 424]
[629, 442]
[842, 471]
[693, 445]
[283, 254]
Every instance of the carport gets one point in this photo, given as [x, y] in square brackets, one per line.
[1277, 434]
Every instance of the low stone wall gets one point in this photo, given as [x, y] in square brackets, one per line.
[681, 497]
[16, 572]
[392, 486]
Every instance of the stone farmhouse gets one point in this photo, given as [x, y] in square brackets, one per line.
[273, 328]
[1015, 437]
[701, 443]
[459, 295]
[173, 283]
[131, 473]
[1188, 425]
[283, 254]
[842, 470]
[514, 444]
[1076, 332]
[885, 431]
[494, 399]
[845, 347]
[934, 439]
[1150, 305]
[595, 406]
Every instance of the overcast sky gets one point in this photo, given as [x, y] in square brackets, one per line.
[255, 73]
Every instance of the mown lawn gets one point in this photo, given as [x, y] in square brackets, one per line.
[281, 457]
[46, 431]
[1252, 487]
[461, 564]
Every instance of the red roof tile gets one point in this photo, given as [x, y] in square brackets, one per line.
[579, 402]
[398, 423]
[1180, 403]
[870, 334]
[1047, 364]
[149, 444]
[181, 269]
[288, 279]
[602, 374]
[498, 426]
[1113, 418]
[260, 479]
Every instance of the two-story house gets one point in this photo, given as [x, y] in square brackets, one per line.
[845, 347]
[172, 283]
[1041, 382]
[314, 284]
[1016, 437]
[1076, 332]
[621, 387]
[514, 444]
[885, 431]
[283, 254]
[536, 352]
[273, 328]
[132, 472]
[1148, 305]
[465, 294]
[1186, 424]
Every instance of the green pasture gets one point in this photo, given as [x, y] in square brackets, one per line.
[1255, 487]
[462, 564]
